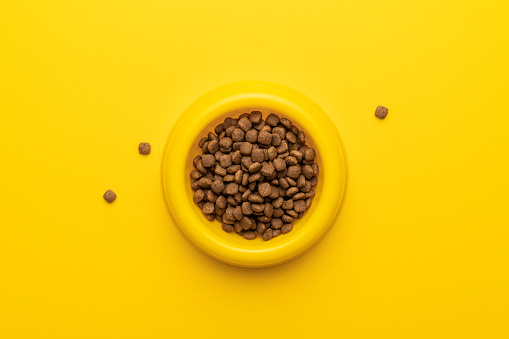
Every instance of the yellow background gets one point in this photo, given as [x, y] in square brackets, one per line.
[421, 249]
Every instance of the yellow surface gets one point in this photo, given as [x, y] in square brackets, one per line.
[232, 100]
[420, 250]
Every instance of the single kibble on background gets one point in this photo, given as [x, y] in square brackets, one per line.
[381, 112]
[254, 176]
[144, 148]
[109, 196]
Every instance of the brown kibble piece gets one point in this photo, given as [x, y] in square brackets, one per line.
[195, 175]
[218, 129]
[227, 228]
[245, 223]
[301, 138]
[281, 149]
[221, 201]
[144, 148]
[294, 171]
[291, 137]
[381, 112]
[255, 167]
[264, 138]
[208, 208]
[245, 124]
[208, 160]
[260, 228]
[297, 155]
[267, 235]
[109, 196]
[213, 146]
[257, 155]
[307, 171]
[225, 142]
[278, 202]
[231, 188]
[246, 148]
[210, 196]
[276, 223]
[299, 206]
[286, 228]
[287, 204]
[272, 120]
[246, 208]
[291, 161]
[287, 219]
[285, 122]
[237, 213]
[291, 191]
[264, 189]
[309, 155]
[275, 233]
[251, 136]
[249, 235]
[279, 164]
[255, 117]
[299, 196]
[238, 135]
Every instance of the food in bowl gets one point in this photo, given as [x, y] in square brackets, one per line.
[254, 176]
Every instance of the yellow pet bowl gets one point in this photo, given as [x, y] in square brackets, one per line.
[232, 100]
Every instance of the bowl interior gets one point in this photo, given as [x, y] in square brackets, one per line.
[232, 239]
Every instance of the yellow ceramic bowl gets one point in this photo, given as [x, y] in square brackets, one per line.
[232, 100]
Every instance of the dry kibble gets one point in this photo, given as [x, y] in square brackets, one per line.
[246, 148]
[255, 167]
[254, 176]
[279, 164]
[272, 120]
[231, 188]
[260, 228]
[144, 148]
[381, 112]
[249, 235]
[267, 235]
[291, 161]
[287, 219]
[264, 138]
[307, 171]
[245, 124]
[309, 155]
[238, 135]
[264, 189]
[255, 117]
[287, 204]
[251, 136]
[227, 228]
[286, 228]
[213, 146]
[291, 191]
[208, 160]
[294, 171]
[299, 206]
[276, 223]
[286, 123]
[208, 208]
[257, 155]
[109, 196]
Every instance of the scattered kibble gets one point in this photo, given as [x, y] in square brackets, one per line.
[254, 176]
[381, 112]
[109, 196]
[144, 148]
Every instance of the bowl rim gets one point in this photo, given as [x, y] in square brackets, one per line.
[274, 97]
